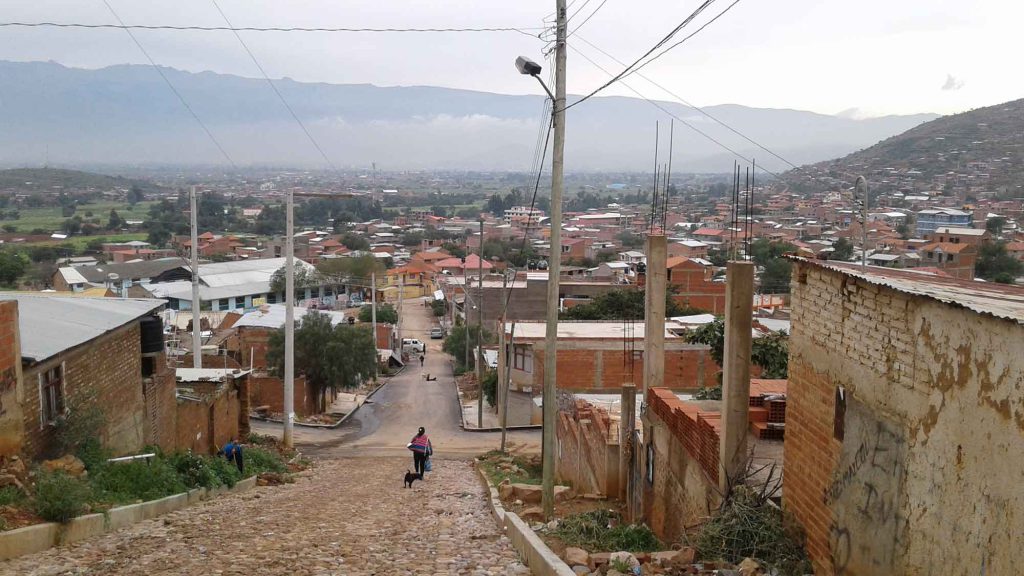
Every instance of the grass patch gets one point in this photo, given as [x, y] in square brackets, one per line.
[60, 497]
[50, 218]
[11, 496]
[516, 469]
[603, 531]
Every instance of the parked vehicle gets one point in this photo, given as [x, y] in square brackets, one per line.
[413, 344]
[436, 333]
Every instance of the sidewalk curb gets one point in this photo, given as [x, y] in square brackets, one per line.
[343, 418]
[532, 550]
[40, 537]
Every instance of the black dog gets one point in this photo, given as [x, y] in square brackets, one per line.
[410, 477]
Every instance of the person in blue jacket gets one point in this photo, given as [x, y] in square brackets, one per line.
[233, 452]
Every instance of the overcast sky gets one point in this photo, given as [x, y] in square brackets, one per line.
[880, 57]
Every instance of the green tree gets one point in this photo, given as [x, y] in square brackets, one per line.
[304, 277]
[770, 352]
[330, 357]
[995, 225]
[621, 305]
[72, 226]
[353, 241]
[348, 269]
[386, 314]
[114, 221]
[135, 195]
[842, 250]
[12, 266]
[764, 251]
[776, 276]
[455, 344]
[439, 307]
[629, 239]
[995, 264]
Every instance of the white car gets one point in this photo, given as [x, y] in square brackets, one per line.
[413, 344]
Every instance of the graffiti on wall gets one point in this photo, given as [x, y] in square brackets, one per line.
[864, 494]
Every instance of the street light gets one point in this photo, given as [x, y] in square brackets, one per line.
[528, 67]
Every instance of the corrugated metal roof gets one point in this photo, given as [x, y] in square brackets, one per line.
[50, 324]
[275, 314]
[999, 300]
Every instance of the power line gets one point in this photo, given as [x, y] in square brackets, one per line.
[673, 115]
[274, 87]
[660, 43]
[577, 11]
[123, 26]
[587, 19]
[694, 106]
[691, 35]
[171, 86]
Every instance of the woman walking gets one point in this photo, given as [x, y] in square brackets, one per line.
[421, 451]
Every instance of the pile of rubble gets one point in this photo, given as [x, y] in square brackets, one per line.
[668, 563]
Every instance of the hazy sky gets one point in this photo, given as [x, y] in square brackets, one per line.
[892, 56]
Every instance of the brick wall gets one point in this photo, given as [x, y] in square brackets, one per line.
[208, 420]
[161, 406]
[106, 373]
[589, 454]
[269, 391]
[685, 448]
[905, 426]
[11, 391]
[602, 366]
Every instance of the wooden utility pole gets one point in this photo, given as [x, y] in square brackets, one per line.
[554, 267]
[480, 330]
[197, 340]
[373, 320]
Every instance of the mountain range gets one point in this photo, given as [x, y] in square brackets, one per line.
[981, 148]
[126, 114]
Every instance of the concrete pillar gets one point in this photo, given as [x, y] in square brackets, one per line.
[654, 312]
[627, 425]
[739, 302]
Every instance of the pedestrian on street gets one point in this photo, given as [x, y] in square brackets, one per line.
[421, 360]
[233, 452]
[421, 451]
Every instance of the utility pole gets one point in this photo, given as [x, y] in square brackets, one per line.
[554, 267]
[507, 382]
[197, 340]
[401, 294]
[480, 331]
[373, 318]
[862, 199]
[465, 310]
[289, 323]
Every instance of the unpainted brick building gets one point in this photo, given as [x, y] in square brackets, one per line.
[905, 425]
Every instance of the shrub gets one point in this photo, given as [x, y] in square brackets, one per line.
[11, 496]
[602, 531]
[227, 473]
[79, 432]
[194, 470]
[60, 497]
[137, 480]
[258, 460]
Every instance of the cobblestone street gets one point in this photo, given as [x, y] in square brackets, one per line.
[350, 516]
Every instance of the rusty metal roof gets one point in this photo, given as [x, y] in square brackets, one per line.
[998, 300]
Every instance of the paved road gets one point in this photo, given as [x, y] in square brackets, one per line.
[385, 425]
[350, 517]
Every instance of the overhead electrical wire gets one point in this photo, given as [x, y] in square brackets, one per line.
[280, 97]
[173, 89]
[665, 40]
[694, 106]
[529, 31]
[670, 113]
[585, 20]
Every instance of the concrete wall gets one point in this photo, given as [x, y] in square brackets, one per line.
[106, 373]
[11, 390]
[925, 475]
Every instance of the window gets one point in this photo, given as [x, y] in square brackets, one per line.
[839, 414]
[272, 298]
[51, 394]
[522, 359]
[949, 257]
[223, 304]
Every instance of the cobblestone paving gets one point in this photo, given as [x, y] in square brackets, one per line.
[349, 517]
